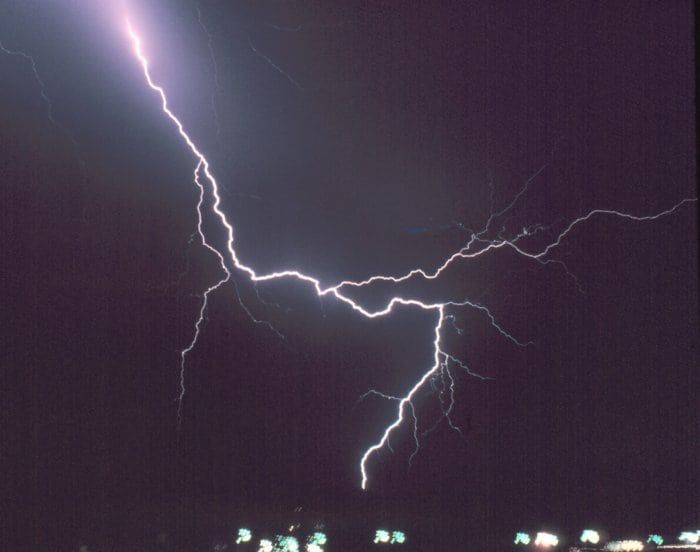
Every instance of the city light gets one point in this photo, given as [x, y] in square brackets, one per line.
[317, 538]
[625, 546]
[244, 535]
[690, 537]
[590, 536]
[382, 535]
[398, 537]
[546, 540]
[285, 543]
[265, 546]
[658, 540]
[522, 538]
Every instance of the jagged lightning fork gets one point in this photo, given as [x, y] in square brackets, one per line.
[477, 245]
[222, 262]
[205, 295]
[406, 401]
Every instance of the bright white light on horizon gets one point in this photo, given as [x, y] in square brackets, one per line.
[690, 537]
[244, 535]
[522, 538]
[265, 546]
[591, 536]
[625, 546]
[382, 535]
[546, 540]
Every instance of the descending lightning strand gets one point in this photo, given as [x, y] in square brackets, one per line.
[43, 92]
[205, 296]
[476, 246]
[47, 101]
[37, 77]
[275, 66]
[222, 262]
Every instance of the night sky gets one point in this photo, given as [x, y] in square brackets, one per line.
[348, 140]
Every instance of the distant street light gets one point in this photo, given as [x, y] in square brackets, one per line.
[546, 540]
[381, 536]
[690, 537]
[625, 546]
[590, 536]
[244, 535]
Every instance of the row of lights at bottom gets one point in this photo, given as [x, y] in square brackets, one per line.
[589, 536]
[314, 543]
[284, 543]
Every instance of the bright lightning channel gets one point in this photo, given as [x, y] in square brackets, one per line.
[477, 245]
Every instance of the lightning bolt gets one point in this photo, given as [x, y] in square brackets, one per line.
[274, 65]
[47, 101]
[477, 245]
[205, 296]
[37, 78]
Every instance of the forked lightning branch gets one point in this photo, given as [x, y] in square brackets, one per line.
[479, 244]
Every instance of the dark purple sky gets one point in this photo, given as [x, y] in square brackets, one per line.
[393, 124]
